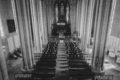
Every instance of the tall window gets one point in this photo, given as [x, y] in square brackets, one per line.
[1, 28]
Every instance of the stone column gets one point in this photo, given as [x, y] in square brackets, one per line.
[89, 23]
[23, 18]
[112, 13]
[78, 18]
[84, 21]
[35, 26]
[3, 65]
[100, 33]
[43, 8]
[40, 23]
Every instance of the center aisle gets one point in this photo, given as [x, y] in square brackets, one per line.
[62, 67]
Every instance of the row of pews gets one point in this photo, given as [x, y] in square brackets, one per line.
[45, 66]
[79, 69]
[60, 62]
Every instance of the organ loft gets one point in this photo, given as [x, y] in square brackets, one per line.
[59, 39]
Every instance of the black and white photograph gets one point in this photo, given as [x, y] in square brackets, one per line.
[59, 39]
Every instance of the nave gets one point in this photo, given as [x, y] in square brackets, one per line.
[61, 60]
[92, 50]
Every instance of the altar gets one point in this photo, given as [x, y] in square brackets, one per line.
[61, 18]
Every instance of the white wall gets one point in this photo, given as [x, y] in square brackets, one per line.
[10, 41]
[113, 41]
[116, 20]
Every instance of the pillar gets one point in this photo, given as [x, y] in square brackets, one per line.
[88, 8]
[73, 17]
[50, 15]
[89, 23]
[3, 65]
[84, 20]
[112, 13]
[100, 33]
[23, 18]
[40, 23]
[78, 17]
[84, 16]
[43, 8]
[36, 25]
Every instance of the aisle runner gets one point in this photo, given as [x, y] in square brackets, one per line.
[61, 63]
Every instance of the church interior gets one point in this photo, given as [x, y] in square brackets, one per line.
[59, 39]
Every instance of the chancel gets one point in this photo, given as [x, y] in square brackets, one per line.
[61, 24]
[59, 39]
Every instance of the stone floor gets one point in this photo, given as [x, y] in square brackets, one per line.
[111, 68]
[61, 63]
[14, 66]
